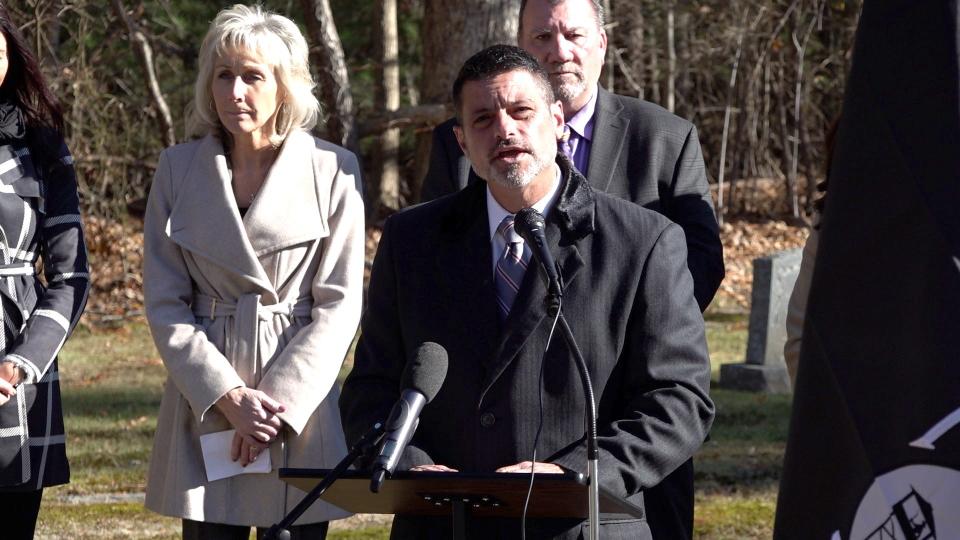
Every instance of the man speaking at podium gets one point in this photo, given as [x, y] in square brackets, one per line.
[455, 272]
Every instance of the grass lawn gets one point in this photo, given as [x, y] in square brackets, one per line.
[112, 381]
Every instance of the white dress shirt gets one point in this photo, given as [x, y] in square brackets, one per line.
[496, 213]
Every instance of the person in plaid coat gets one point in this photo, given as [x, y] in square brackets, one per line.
[39, 219]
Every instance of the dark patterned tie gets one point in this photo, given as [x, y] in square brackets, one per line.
[510, 266]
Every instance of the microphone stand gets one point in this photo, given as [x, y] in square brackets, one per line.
[368, 440]
[593, 452]
[530, 224]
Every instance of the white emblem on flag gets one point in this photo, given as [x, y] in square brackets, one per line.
[913, 502]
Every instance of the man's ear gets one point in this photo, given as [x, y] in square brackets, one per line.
[458, 131]
[556, 111]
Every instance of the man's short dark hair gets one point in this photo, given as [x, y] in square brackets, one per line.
[496, 60]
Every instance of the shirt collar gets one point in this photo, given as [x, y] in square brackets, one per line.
[582, 122]
[496, 213]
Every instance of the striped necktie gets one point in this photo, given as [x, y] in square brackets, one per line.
[566, 145]
[510, 266]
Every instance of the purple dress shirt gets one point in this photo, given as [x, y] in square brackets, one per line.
[577, 147]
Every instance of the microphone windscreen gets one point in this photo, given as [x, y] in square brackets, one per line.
[527, 220]
[426, 371]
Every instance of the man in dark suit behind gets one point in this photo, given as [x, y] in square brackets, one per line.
[440, 275]
[625, 147]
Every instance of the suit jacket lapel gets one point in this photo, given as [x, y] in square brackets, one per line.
[204, 218]
[287, 211]
[570, 220]
[609, 132]
[465, 262]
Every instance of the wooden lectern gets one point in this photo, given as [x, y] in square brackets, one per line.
[461, 494]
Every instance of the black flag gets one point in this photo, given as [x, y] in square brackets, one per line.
[874, 445]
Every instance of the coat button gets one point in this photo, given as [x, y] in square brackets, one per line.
[487, 419]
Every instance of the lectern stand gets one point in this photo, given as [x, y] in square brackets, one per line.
[461, 495]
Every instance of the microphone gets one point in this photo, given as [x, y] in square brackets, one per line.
[530, 225]
[422, 378]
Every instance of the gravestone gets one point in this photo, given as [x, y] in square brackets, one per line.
[765, 369]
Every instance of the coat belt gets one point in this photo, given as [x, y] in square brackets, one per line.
[10, 320]
[249, 345]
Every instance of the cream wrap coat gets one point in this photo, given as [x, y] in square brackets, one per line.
[287, 280]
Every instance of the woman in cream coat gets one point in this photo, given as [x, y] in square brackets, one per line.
[253, 282]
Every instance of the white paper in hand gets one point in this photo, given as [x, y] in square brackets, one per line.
[216, 457]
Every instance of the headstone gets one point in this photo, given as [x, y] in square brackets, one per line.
[765, 369]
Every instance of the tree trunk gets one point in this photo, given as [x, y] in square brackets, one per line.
[654, 65]
[386, 190]
[798, 118]
[626, 55]
[450, 33]
[326, 53]
[785, 136]
[686, 103]
[638, 44]
[728, 109]
[145, 54]
[610, 62]
[51, 49]
[671, 59]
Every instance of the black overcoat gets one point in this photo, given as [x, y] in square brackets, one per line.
[629, 300]
[39, 219]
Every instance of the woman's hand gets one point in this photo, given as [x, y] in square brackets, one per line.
[7, 391]
[9, 377]
[245, 451]
[254, 415]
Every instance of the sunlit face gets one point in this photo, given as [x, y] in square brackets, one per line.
[245, 93]
[509, 131]
[4, 60]
[567, 42]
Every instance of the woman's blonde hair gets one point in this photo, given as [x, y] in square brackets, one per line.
[278, 42]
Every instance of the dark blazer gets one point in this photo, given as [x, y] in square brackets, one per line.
[640, 152]
[432, 281]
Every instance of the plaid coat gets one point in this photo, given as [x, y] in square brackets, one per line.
[39, 219]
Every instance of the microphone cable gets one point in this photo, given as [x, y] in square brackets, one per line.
[536, 438]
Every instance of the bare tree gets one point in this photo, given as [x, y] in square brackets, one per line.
[327, 54]
[610, 62]
[653, 63]
[723, 73]
[728, 110]
[633, 69]
[671, 59]
[801, 48]
[145, 54]
[386, 192]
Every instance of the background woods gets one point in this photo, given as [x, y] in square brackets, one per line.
[761, 79]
